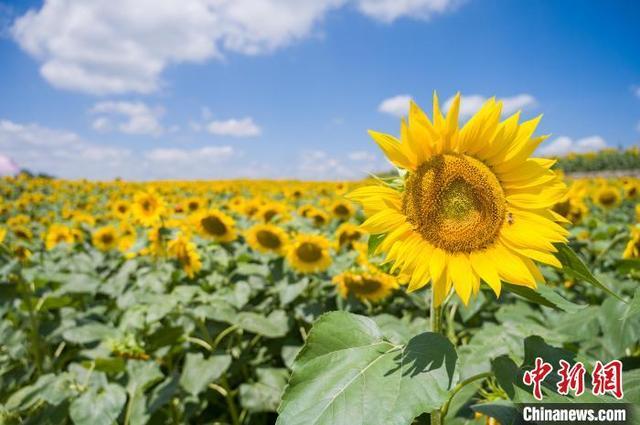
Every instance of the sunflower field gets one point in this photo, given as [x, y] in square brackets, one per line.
[423, 297]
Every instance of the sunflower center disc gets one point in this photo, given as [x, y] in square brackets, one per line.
[268, 239]
[309, 253]
[455, 202]
[368, 286]
[213, 226]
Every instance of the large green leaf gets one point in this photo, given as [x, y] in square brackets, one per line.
[348, 373]
[98, 406]
[199, 372]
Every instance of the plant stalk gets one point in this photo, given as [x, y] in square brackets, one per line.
[436, 327]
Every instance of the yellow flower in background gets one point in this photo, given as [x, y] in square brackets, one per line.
[216, 225]
[638, 213]
[22, 253]
[347, 234]
[267, 238]
[342, 210]
[148, 208]
[473, 206]
[183, 250]
[22, 232]
[318, 217]
[372, 286]
[121, 209]
[194, 204]
[127, 236]
[105, 238]
[3, 234]
[272, 212]
[57, 234]
[607, 196]
[632, 250]
[309, 254]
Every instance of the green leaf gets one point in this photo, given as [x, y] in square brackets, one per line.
[573, 266]
[275, 325]
[374, 242]
[98, 406]
[90, 333]
[628, 264]
[634, 306]
[198, 372]
[348, 373]
[264, 395]
[543, 295]
[142, 375]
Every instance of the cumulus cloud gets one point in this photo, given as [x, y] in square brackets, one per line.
[58, 152]
[470, 104]
[565, 145]
[243, 127]
[397, 106]
[119, 46]
[390, 10]
[127, 117]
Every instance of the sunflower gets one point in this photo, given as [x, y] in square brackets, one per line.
[347, 234]
[183, 250]
[470, 204]
[57, 234]
[147, 207]
[341, 210]
[121, 209]
[272, 212]
[22, 253]
[267, 238]
[194, 204]
[216, 225]
[607, 196]
[638, 213]
[309, 254]
[105, 238]
[318, 217]
[304, 210]
[127, 237]
[3, 234]
[372, 286]
[22, 232]
[632, 250]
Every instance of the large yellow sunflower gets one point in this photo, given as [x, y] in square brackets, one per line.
[216, 225]
[471, 205]
[267, 238]
[309, 254]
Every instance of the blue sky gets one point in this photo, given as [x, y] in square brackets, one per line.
[288, 88]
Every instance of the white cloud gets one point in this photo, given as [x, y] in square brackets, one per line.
[127, 117]
[565, 145]
[361, 156]
[7, 166]
[208, 153]
[390, 10]
[59, 152]
[243, 127]
[397, 106]
[470, 104]
[120, 46]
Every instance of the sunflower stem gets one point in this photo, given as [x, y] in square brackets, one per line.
[436, 327]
